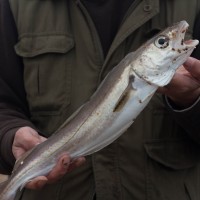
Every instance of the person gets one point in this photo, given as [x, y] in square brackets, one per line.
[53, 56]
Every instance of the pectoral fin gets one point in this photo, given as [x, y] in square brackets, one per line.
[125, 96]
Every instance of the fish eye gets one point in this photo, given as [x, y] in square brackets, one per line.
[162, 42]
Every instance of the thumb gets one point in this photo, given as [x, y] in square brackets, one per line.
[192, 65]
[25, 139]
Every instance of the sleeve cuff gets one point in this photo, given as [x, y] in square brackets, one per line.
[7, 157]
[178, 109]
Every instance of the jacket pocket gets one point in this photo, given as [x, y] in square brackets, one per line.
[47, 71]
[171, 164]
[175, 154]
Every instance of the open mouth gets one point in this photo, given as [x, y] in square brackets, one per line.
[183, 29]
[191, 43]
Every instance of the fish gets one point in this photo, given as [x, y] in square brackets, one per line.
[111, 110]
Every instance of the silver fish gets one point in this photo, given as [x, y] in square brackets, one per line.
[120, 98]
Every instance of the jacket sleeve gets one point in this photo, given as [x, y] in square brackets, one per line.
[13, 106]
[189, 120]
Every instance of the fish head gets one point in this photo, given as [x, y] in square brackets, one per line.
[160, 57]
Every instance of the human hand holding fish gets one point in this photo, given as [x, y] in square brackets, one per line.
[27, 138]
[184, 88]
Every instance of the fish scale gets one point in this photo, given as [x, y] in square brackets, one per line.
[120, 98]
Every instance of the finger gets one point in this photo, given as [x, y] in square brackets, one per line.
[193, 66]
[35, 139]
[37, 183]
[60, 169]
[76, 163]
[176, 82]
[26, 137]
[182, 70]
[42, 139]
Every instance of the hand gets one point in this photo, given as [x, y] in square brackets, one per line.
[184, 88]
[25, 139]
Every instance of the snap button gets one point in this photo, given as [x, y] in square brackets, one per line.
[147, 8]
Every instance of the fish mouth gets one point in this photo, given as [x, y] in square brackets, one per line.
[177, 35]
[183, 25]
[191, 43]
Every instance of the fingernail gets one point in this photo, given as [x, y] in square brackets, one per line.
[65, 162]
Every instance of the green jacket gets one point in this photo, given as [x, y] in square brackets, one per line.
[64, 64]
